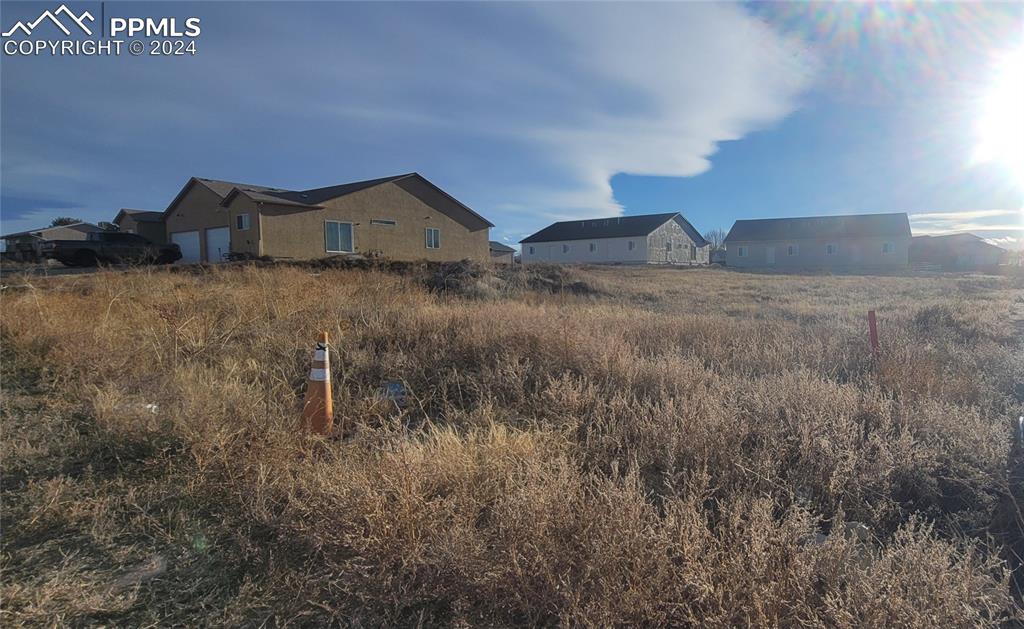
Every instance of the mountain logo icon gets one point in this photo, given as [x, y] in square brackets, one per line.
[63, 10]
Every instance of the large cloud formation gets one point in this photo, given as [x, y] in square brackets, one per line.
[526, 110]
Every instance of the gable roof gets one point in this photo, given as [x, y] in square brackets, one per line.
[142, 216]
[808, 227]
[319, 195]
[265, 197]
[217, 186]
[222, 188]
[81, 226]
[613, 227]
[413, 183]
[502, 247]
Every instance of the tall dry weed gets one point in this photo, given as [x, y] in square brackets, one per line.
[660, 448]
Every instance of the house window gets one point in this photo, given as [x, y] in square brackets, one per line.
[742, 252]
[433, 238]
[531, 250]
[630, 245]
[242, 222]
[383, 221]
[338, 237]
[593, 247]
[565, 248]
[693, 252]
[668, 246]
[831, 249]
[793, 250]
[888, 247]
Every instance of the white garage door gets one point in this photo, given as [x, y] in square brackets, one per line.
[218, 244]
[189, 243]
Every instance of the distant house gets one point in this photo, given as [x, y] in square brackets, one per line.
[24, 245]
[147, 224]
[646, 239]
[501, 253]
[404, 217]
[841, 243]
[956, 252]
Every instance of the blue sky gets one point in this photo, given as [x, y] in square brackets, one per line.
[530, 112]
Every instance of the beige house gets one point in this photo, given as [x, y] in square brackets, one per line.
[149, 225]
[502, 253]
[856, 242]
[645, 239]
[25, 245]
[405, 217]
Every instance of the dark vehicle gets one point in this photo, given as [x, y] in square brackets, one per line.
[110, 248]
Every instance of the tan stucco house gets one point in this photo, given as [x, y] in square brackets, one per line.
[145, 223]
[502, 253]
[855, 242]
[405, 217]
[25, 245]
[645, 239]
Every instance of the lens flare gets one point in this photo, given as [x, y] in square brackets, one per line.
[1000, 123]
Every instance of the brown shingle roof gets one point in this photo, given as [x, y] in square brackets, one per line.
[502, 247]
[143, 216]
[413, 183]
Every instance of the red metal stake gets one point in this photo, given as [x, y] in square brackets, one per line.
[873, 333]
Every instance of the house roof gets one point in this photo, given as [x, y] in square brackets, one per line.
[142, 216]
[81, 226]
[219, 187]
[613, 227]
[808, 227]
[222, 188]
[413, 183]
[265, 197]
[319, 195]
[497, 246]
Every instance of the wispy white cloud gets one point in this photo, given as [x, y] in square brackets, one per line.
[1000, 227]
[962, 216]
[525, 111]
[1013, 243]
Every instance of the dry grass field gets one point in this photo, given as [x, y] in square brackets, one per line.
[594, 447]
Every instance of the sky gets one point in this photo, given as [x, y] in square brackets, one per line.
[535, 112]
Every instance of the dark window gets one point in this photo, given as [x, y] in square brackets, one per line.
[338, 236]
[433, 238]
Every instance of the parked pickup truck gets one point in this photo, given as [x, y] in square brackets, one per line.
[109, 248]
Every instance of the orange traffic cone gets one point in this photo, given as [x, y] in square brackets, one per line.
[318, 409]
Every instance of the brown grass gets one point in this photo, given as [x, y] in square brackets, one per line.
[637, 446]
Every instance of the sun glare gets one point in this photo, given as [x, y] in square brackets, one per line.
[1000, 126]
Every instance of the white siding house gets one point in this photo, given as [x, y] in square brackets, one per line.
[856, 242]
[647, 239]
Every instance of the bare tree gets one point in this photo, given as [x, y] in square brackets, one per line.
[715, 237]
